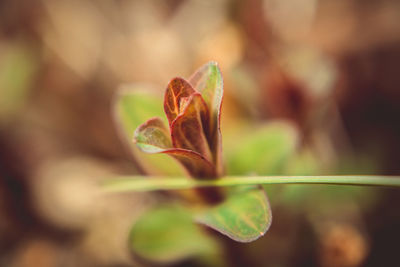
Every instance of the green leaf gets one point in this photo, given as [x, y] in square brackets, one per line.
[208, 81]
[132, 107]
[153, 136]
[244, 216]
[167, 234]
[304, 162]
[265, 151]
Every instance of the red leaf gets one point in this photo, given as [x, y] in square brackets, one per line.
[153, 137]
[196, 165]
[190, 130]
[176, 97]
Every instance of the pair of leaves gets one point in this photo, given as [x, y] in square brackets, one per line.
[193, 110]
[168, 234]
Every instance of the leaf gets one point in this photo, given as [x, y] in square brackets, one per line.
[190, 129]
[265, 151]
[132, 107]
[244, 216]
[153, 137]
[167, 234]
[176, 96]
[208, 81]
[304, 162]
[195, 164]
[135, 104]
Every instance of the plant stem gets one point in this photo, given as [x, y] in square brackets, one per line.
[150, 183]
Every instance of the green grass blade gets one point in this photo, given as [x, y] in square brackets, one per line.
[151, 183]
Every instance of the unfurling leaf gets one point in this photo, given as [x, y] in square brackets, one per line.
[193, 118]
[244, 216]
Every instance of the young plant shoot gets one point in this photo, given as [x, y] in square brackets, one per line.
[185, 127]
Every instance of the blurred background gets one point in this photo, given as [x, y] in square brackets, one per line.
[328, 68]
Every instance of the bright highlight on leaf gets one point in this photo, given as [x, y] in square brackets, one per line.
[244, 216]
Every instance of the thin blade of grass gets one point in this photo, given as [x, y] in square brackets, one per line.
[152, 183]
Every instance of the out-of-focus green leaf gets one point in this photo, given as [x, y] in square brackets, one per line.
[305, 162]
[244, 216]
[264, 151]
[135, 105]
[132, 107]
[168, 234]
[301, 197]
[320, 198]
[17, 66]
